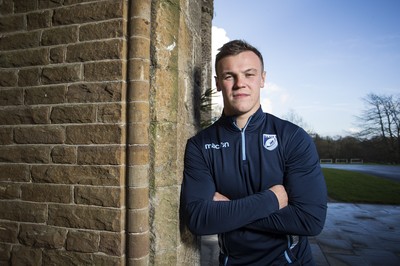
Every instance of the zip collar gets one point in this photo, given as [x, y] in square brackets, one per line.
[253, 123]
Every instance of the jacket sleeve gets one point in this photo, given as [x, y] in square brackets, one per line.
[205, 216]
[306, 188]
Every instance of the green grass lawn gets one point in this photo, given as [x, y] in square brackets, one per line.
[349, 186]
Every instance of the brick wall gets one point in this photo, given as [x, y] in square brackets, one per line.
[97, 99]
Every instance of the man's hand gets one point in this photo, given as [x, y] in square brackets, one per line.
[280, 194]
[220, 197]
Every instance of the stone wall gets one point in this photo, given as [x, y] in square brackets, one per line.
[97, 99]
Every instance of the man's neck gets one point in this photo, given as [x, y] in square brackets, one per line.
[241, 121]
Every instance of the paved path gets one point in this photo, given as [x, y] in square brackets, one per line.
[354, 234]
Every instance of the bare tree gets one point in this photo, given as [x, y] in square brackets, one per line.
[380, 118]
[295, 118]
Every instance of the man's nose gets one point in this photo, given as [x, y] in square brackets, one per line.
[239, 81]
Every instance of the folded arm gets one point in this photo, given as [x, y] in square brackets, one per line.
[208, 212]
[306, 188]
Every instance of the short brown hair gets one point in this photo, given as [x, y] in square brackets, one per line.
[236, 47]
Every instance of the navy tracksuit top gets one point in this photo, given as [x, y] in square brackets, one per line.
[242, 164]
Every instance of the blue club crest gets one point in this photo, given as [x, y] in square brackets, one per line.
[270, 142]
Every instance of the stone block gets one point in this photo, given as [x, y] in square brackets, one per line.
[95, 92]
[12, 23]
[165, 225]
[73, 114]
[14, 172]
[46, 193]
[112, 243]
[21, 255]
[28, 77]
[166, 257]
[24, 58]
[5, 253]
[85, 217]
[96, 11]
[105, 260]
[45, 4]
[100, 196]
[139, 154]
[9, 191]
[140, 48]
[8, 78]
[39, 20]
[39, 135]
[102, 30]
[95, 134]
[42, 236]
[138, 220]
[139, 90]
[93, 51]
[8, 232]
[83, 241]
[165, 155]
[21, 6]
[139, 112]
[20, 41]
[23, 211]
[11, 97]
[72, 174]
[45, 95]
[57, 54]
[111, 113]
[63, 257]
[24, 115]
[60, 35]
[141, 9]
[25, 154]
[139, 245]
[104, 70]
[139, 133]
[6, 7]
[138, 198]
[6, 136]
[166, 96]
[64, 154]
[61, 74]
[101, 155]
[140, 69]
[138, 175]
[140, 27]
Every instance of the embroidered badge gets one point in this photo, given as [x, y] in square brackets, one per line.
[270, 142]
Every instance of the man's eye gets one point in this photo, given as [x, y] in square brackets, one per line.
[227, 77]
[250, 74]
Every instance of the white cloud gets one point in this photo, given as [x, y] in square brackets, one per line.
[218, 38]
[272, 87]
[353, 130]
[266, 105]
[274, 98]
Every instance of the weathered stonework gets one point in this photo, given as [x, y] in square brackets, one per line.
[97, 100]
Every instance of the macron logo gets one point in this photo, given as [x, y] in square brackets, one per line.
[216, 146]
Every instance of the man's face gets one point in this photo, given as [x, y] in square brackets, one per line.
[240, 78]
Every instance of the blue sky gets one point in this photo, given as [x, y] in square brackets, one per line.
[321, 56]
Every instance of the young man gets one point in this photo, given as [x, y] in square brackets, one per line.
[252, 178]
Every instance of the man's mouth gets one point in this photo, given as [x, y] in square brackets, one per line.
[240, 95]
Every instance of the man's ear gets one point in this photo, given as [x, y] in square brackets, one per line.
[217, 83]
[263, 77]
